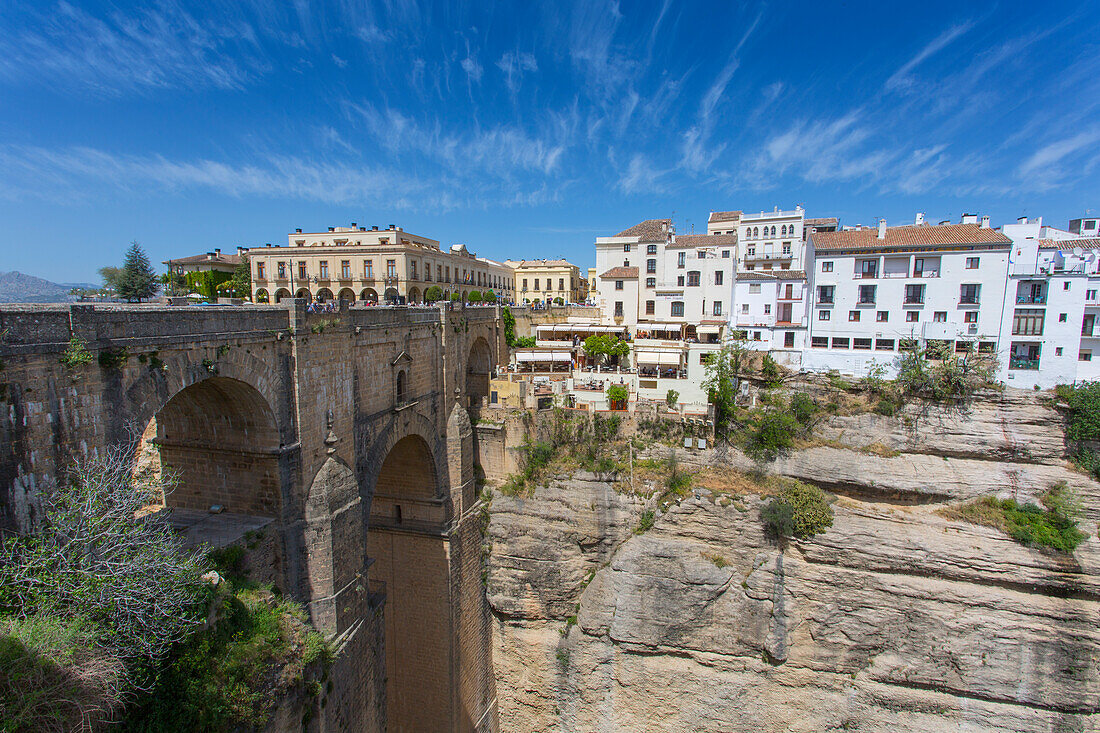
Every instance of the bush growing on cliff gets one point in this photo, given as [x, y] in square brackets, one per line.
[935, 374]
[1052, 525]
[1083, 403]
[801, 510]
[772, 435]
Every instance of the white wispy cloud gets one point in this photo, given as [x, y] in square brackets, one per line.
[161, 47]
[901, 77]
[84, 173]
[1044, 163]
[514, 64]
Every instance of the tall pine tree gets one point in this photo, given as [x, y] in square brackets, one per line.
[137, 280]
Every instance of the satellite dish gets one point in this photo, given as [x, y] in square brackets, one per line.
[1078, 251]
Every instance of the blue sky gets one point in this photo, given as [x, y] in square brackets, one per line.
[526, 129]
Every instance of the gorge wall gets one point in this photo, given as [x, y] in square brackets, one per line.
[894, 619]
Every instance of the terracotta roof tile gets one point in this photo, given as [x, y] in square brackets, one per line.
[826, 221]
[620, 273]
[908, 237]
[1069, 244]
[703, 240]
[650, 230]
[724, 216]
[538, 263]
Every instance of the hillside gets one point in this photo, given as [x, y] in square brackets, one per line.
[17, 287]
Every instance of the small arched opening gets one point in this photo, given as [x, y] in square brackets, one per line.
[280, 294]
[369, 295]
[304, 294]
[414, 295]
[324, 295]
[391, 296]
[347, 294]
[261, 295]
[479, 366]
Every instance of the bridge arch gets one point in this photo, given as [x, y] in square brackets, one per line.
[479, 367]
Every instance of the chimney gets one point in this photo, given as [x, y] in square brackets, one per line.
[269, 244]
[985, 222]
[362, 229]
[969, 218]
[332, 229]
[374, 228]
[393, 227]
[882, 229]
[210, 255]
[354, 225]
[240, 249]
[298, 230]
[1022, 220]
[919, 219]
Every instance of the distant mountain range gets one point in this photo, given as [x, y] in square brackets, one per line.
[17, 287]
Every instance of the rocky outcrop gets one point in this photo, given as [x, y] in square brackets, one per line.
[894, 619]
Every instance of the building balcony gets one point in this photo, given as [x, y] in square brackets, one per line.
[825, 302]
[865, 303]
[1031, 299]
[913, 301]
[1019, 362]
[766, 256]
[969, 302]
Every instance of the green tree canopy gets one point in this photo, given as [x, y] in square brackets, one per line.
[489, 296]
[240, 285]
[720, 382]
[137, 280]
[474, 296]
[111, 277]
[433, 294]
[604, 346]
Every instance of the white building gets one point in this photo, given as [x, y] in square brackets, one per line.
[1050, 334]
[769, 295]
[877, 290]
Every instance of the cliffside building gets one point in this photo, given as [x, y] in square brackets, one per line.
[548, 280]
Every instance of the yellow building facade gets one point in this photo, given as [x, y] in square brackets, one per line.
[538, 281]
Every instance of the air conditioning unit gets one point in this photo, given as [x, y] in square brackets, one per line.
[973, 328]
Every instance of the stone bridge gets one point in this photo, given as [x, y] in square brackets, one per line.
[347, 433]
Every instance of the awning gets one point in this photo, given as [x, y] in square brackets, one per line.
[577, 328]
[708, 329]
[543, 356]
[661, 358]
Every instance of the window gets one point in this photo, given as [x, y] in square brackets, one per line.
[819, 342]
[750, 251]
[680, 281]
[786, 248]
[756, 336]
[618, 309]
[693, 279]
[1065, 286]
[1090, 295]
[1027, 322]
[1057, 350]
[561, 283]
[853, 315]
[968, 294]
[651, 282]
[301, 271]
[260, 270]
[677, 309]
[882, 316]
[680, 259]
[827, 266]
[823, 315]
[868, 268]
[525, 284]
[744, 307]
[911, 317]
[1084, 355]
[718, 277]
[717, 308]
[840, 343]
[1061, 317]
[866, 294]
[651, 249]
[918, 267]
[626, 263]
[972, 263]
[281, 269]
[618, 284]
[725, 254]
[700, 254]
[767, 309]
[825, 294]
[755, 232]
[345, 269]
[861, 344]
[884, 344]
[650, 307]
[939, 317]
[970, 317]
[750, 268]
[788, 340]
[391, 268]
[651, 265]
[626, 248]
[324, 269]
[914, 294]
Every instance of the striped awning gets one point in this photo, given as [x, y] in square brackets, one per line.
[544, 356]
[661, 358]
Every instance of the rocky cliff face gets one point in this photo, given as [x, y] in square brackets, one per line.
[895, 619]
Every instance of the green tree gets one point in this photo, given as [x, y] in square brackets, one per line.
[474, 296]
[489, 296]
[433, 294]
[240, 285]
[800, 510]
[111, 277]
[1083, 401]
[721, 370]
[137, 281]
[671, 397]
[769, 371]
[772, 435]
[456, 297]
[605, 346]
[617, 393]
